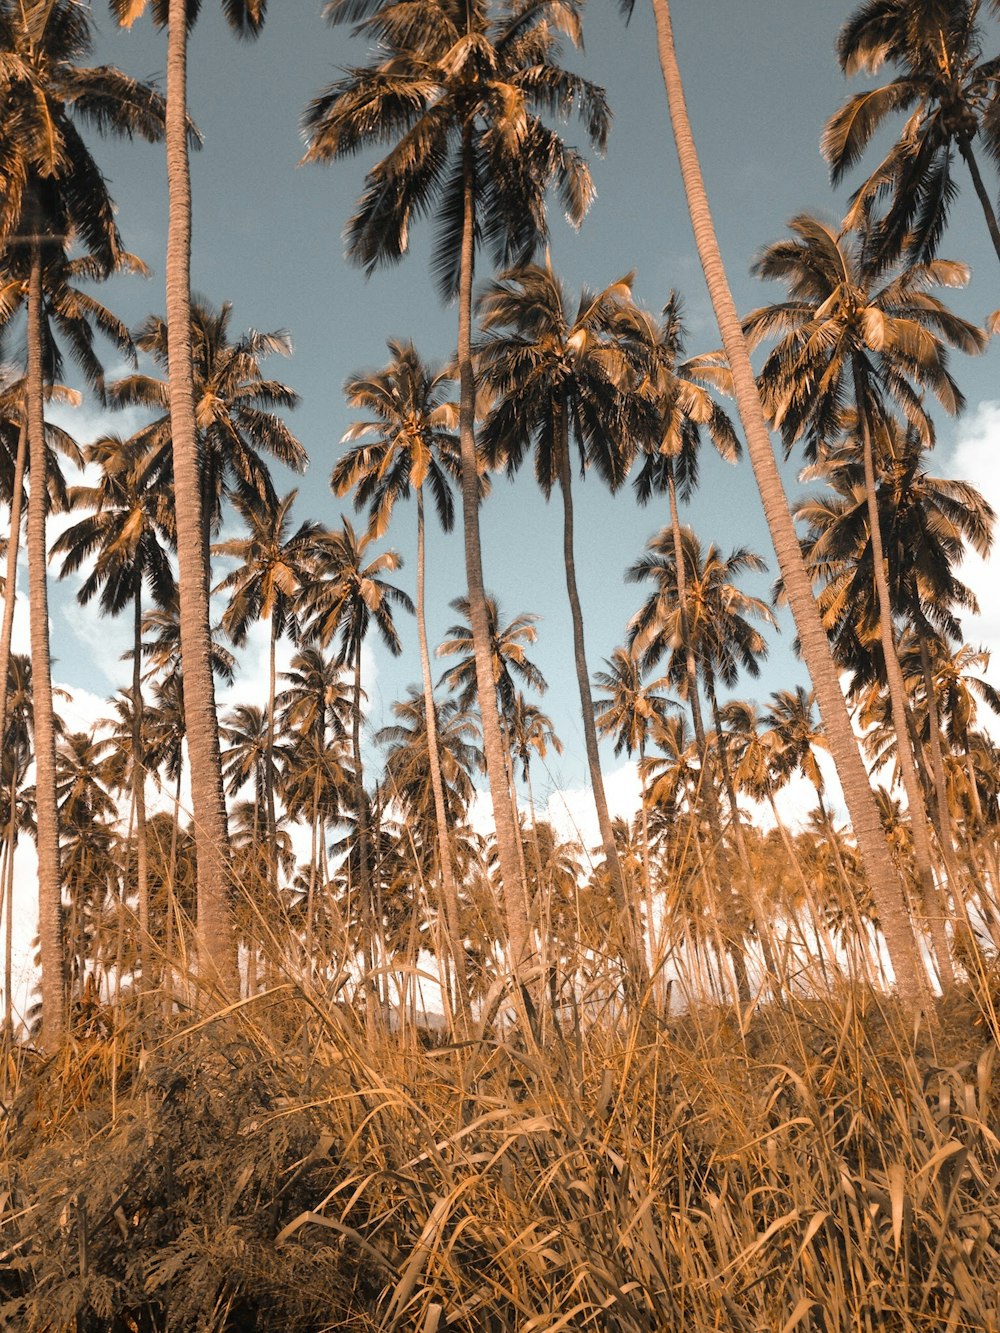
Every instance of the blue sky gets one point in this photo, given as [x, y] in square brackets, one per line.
[761, 78]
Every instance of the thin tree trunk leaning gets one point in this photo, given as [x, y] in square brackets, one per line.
[50, 912]
[965, 148]
[506, 832]
[10, 587]
[8, 904]
[905, 758]
[636, 960]
[139, 795]
[911, 977]
[449, 890]
[364, 845]
[216, 934]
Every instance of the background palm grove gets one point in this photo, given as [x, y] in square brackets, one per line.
[452, 898]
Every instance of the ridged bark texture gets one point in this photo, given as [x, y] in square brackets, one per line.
[496, 769]
[50, 913]
[216, 936]
[886, 886]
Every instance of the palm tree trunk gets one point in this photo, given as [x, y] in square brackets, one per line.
[506, 833]
[272, 823]
[139, 793]
[8, 940]
[364, 848]
[965, 148]
[50, 912]
[216, 935]
[449, 890]
[919, 825]
[10, 587]
[636, 960]
[911, 977]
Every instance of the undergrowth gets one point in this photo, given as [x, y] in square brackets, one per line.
[813, 1166]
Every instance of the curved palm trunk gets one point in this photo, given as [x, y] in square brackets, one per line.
[216, 934]
[905, 758]
[983, 195]
[139, 792]
[50, 913]
[448, 886]
[506, 832]
[911, 977]
[635, 961]
[10, 587]
[272, 823]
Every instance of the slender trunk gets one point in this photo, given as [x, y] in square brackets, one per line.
[763, 926]
[10, 587]
[216, 934]
[965, 148]
[922, 854]
[272, 823]
[634, 959]
[364, 850]
[946, 832]
[50, 912]
[139, 794]
[506, 832]
[8, 941]
[456, 944]
[911, 977]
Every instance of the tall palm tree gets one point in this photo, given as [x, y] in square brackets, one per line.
[559, 375]
[414, 445]
[629, 714]
[274, 565]
[850, 333]
[461, 94]
[13, 470]
[54, 193]
[718, 629]
[948, 93]
[680, 406]
[347, 597]
[246, 17]
[125, 534]
[882, 874]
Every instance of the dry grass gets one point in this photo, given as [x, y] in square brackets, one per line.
[812, 1167]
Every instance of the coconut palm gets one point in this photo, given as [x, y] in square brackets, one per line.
[273, 567]
[410, 419]
[13, 470]
[347, 597]
[460, 94]
[54, 193]
[559, 376]
[848, 333]
[628, 715]
[886, 886]
[947, 92]
[246, 17]
[125, 535]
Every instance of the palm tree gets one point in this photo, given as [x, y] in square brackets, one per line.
[13, 469]
[347, 596]
[274, 566]
[410, 418]
[717, 629]
[841, 335]
[125, 535]
[629, 715]
[54, 194]
[246, 17]
[948, 93]
[461, 94]
[885, 882]
[559, 375]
